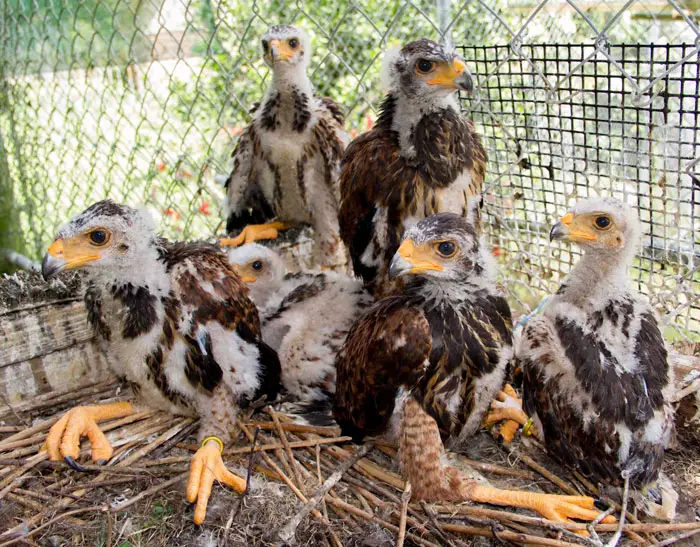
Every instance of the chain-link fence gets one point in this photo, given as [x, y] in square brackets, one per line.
[142, 101]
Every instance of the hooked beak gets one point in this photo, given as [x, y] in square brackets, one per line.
[410, 259]
[565, 230]
[64, 256]
[244, 277]
[280, 51]
[453, 76]
[559, 231]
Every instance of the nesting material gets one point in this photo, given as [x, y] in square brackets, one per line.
[139, 495]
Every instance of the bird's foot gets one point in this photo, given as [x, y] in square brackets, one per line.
[63, 440]
[206, 467]
[554, 507]
[253, 233]
[508, 406]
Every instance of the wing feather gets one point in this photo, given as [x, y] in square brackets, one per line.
[245, 202]
[385, 350]
[208, 291]
[584, 401]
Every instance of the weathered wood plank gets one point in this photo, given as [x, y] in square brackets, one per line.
[29, 334]
[64, 370]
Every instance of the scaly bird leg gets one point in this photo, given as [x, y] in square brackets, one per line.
[508, 406]
[421, 450]
[63, 440]
[206, 467]
[254, 232]
[551, 506]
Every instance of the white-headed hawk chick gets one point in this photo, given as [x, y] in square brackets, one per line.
[176, 323]
[305, 318]
[287, 161]
[422, 157]
[431, 358]
[596, 378]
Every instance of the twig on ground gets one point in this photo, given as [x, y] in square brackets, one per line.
[405, 498]
[280, 475]
[676, 539]
[551, 477]
[625, 498]
[147, 493]
[47, 524]
[237, 507]
[286, 533]
[287, 449]
[110, 529]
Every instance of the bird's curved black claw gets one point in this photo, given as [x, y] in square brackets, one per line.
[70, 461]
[600, 504]
[101, 462]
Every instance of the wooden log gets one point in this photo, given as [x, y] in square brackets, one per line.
[31, 333]
[66, 370]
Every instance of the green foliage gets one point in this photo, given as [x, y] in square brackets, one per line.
[56, 34]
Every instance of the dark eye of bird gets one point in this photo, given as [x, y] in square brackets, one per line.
[265, 45]
[424, 65]
[293, 43]
[446, 248]
[98, 237]
[602, 222]
[257, 265]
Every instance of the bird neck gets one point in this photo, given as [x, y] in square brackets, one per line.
[287, 102]
[438, 292]
[597, 273]
[407, 112]
[146, 270]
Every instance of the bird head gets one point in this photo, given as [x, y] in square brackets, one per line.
[260, 267]
[286, 47]
[599, 224]
[441, 247]
[106, 235]
[426, 71]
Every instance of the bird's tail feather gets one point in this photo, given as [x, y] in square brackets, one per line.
[316, 412]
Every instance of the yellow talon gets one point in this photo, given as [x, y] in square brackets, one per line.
[253, 233]
[63, 440]
[551, 506]
[206, 467]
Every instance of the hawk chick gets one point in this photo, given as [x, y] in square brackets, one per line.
[305, 317]
[596, 378]
[422, 157]
[287, 161]
[431, 358]
[177, 324]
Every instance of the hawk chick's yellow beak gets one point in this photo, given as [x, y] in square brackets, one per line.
[568, 229]
[280, 51]
[241, 272]
[410, 259]
[452, 75]
[67, 254]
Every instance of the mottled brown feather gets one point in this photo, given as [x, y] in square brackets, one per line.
[375, 174]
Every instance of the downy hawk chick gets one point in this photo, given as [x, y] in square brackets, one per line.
[287, 161]
[596, 378]
[305, 318]
[176, 323]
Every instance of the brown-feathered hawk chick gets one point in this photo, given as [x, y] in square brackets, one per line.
[287, 161]
[421, 157]
[431, 358]
[305, 317]
[596, 377]
[176, 323]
